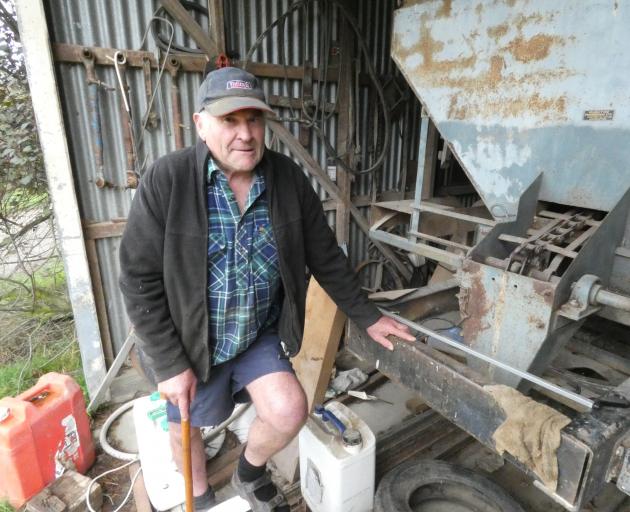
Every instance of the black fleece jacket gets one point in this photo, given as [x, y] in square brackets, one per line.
[164, 250]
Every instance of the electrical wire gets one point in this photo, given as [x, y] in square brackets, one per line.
[319, 130]
[133, 481]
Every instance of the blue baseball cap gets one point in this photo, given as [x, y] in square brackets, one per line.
[227, 90]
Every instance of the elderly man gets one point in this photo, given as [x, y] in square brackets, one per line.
[213, 264]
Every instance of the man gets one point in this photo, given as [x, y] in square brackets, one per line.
[213, 266]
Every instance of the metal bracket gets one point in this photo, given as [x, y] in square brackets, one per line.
[623, 480]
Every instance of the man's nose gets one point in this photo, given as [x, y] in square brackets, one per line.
[244, 131]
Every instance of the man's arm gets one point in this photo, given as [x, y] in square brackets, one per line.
[332, 269]
[141, 279]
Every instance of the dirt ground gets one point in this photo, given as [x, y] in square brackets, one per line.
[115, 485]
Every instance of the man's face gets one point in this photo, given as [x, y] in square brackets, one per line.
[235, 140]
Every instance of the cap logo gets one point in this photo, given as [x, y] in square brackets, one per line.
[239, 84]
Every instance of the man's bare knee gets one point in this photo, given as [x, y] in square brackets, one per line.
[286, 416]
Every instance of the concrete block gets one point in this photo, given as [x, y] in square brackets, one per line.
[66, 494]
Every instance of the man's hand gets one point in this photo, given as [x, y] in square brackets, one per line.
[386, 326]
[180, 391]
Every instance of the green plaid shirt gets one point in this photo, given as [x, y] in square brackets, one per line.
[243, 274]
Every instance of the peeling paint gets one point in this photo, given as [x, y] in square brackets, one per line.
[493, 155]
[475, 306]
[536, 48]
[498, 31]
[445, 10]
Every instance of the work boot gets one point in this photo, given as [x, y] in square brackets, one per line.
[247, 491]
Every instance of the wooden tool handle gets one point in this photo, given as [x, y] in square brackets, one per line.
[187, 465]
[186, 462]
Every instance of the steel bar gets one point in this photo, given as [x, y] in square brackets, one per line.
[585, 402]
[614, 300]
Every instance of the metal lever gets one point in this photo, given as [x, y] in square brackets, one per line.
[579, 399]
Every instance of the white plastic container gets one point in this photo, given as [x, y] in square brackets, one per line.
[336, 477]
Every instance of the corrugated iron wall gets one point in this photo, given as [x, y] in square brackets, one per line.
[121, 24]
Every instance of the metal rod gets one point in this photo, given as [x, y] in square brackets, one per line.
[579, 399]
[614, 300]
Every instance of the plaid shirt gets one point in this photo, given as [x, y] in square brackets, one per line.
[243, 273]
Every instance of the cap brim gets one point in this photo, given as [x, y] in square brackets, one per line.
[226, 106]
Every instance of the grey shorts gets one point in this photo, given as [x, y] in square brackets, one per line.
[215, 399]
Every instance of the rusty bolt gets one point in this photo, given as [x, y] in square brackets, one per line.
[132, 179]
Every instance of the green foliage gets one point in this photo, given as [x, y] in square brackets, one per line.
[5, 507]
[21, 159]
[41, 292]
[36, 327]
[62, 356]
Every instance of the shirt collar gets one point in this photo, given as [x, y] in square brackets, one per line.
[213, 168]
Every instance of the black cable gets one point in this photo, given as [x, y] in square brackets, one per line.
[318, 130]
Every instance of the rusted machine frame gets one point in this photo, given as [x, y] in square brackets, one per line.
[589, 447]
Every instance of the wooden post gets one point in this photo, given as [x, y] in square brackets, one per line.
[345, 144]
[323, 327]
[216, 25]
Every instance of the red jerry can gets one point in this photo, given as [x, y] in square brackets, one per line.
[43, 431]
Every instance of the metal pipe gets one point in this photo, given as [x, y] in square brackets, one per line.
[95, 116]
[579, 399]
[125, 110]
[174, 66]
[614, 300]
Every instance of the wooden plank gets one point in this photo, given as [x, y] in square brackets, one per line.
[191, 27]
[322, 331]
[98, 230]
[99, 300]
[345, 144]
[549, 247]
[313, 365]
[72, 53]
[216, 25]
[438, 240]
[555, 215]
[448, 212]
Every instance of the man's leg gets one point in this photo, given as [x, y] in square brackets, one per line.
[198, 456]
[281, 411]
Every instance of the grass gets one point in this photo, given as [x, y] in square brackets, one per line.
[36, 331]
[21, 200]
[62, 356]
[38, 336]
[43, 291]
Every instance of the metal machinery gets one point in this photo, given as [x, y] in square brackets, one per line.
[531, 98]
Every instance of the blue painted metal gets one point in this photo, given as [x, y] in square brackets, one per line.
[525, 87]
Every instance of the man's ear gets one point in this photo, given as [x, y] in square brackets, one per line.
[199, 125]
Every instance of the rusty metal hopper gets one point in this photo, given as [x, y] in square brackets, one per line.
[522, 88]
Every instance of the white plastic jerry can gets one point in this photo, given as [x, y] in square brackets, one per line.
[337, 458]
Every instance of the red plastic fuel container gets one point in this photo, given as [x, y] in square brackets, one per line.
[43, 431]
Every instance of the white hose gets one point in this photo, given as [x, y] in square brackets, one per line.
[110, 450]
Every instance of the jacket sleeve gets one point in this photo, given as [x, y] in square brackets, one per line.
[329, 264]
[141, 278]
